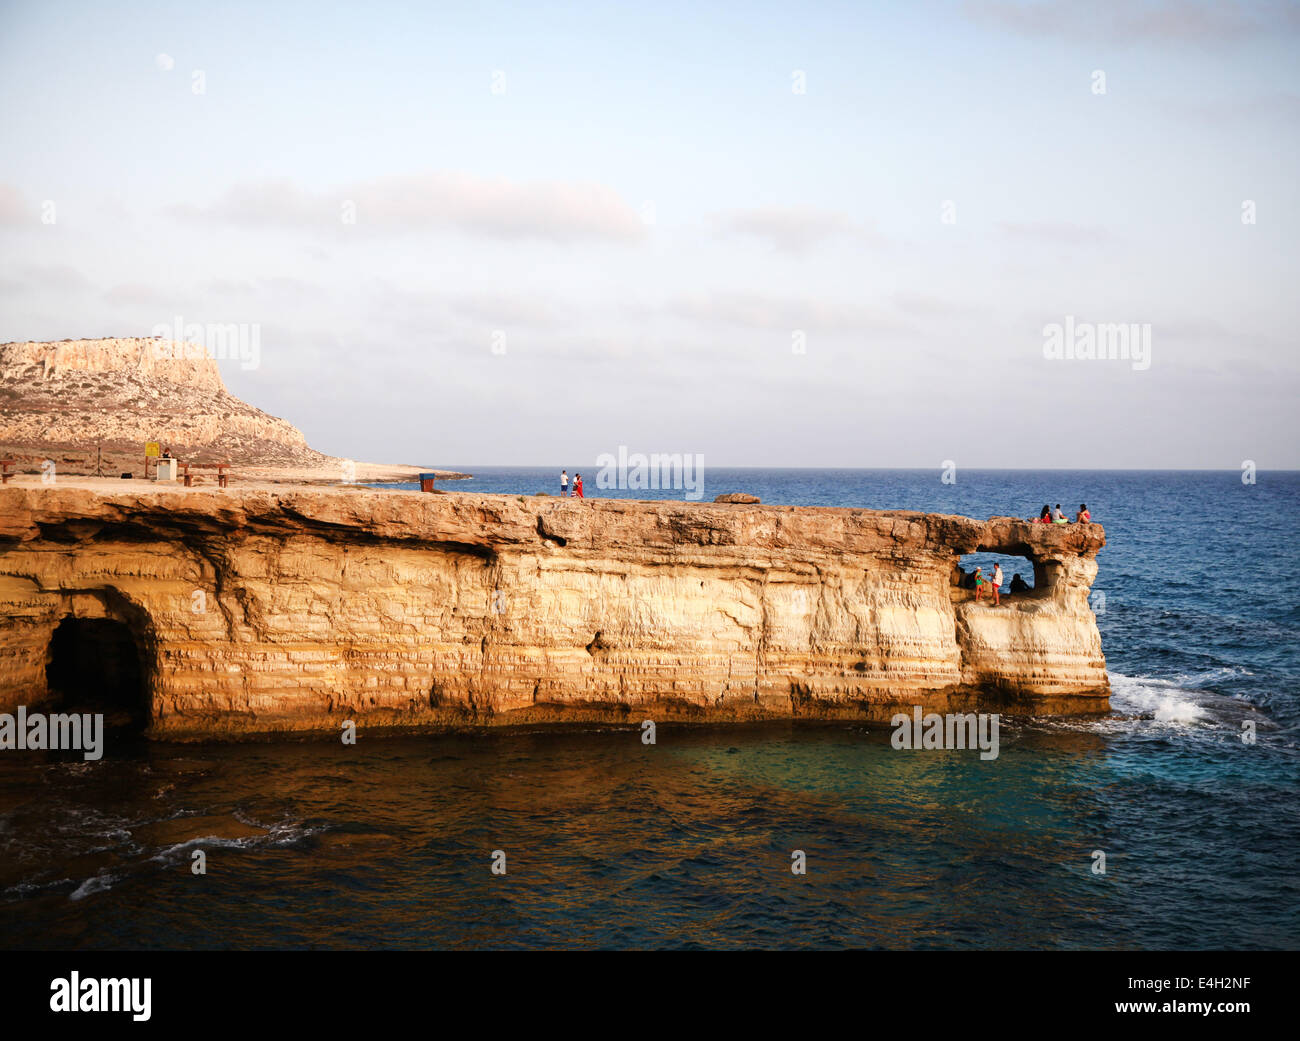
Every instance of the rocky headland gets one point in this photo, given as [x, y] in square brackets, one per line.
[262, 609]
[91, 405]
[292, 602]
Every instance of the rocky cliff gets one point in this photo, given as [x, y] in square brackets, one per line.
[266, 610]
[72, 398]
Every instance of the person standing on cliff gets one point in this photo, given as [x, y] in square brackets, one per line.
[577, 486]
[564, 484]
[997, 584]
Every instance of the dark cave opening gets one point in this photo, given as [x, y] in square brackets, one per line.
[94, 665]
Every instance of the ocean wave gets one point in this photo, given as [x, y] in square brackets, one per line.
[277, 836]
[94, 884]
[169, 855]
[1165, 701]
[30, 886]
[1188, 700]
[1210, 677]
[83, 832]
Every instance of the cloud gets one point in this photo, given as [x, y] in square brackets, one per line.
[422, 309]
[1061, 232]
[555, 211]
[51, 278]
[792, 229]
[1198, 22]
[140, 294]
[772, 313]
[504, 310]
[924, 305]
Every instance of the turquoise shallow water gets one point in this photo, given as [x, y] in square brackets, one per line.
[609, 842]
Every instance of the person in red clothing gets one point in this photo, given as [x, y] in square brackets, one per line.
[577, 486]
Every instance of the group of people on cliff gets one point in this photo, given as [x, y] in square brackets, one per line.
[564, 485]
[1055, 516]
[990, 585]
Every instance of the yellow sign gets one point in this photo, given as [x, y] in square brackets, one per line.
[152, 450]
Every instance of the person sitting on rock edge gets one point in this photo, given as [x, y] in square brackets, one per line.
[1018, 584]
[1084, 516]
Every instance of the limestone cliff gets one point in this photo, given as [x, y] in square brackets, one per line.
[265, 610]
[80, 396]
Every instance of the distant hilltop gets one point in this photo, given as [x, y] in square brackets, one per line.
[75, 398]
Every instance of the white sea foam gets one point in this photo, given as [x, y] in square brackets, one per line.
[1165, 701]
[1211, 677]
[170, 854]
[278, 835]
[96, 884]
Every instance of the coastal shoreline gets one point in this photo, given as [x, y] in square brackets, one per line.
[27, 471]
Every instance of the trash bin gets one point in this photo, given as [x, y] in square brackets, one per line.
[426, 482]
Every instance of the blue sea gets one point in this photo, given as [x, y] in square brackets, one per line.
[688, 843]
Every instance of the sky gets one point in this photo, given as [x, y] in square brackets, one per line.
[769, 234]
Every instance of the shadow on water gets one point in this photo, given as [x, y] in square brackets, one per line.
[607, 842]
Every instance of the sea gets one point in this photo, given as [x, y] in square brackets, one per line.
[1171, 823]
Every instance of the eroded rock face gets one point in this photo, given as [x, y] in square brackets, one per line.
[119, 393]
[264, 610]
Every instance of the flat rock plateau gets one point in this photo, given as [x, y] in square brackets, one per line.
[270, 609]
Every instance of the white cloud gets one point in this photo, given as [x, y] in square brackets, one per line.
[52, 278]
[793, 228]
[1059, 232]
[783, 314]
[504, 310]
[556, 211]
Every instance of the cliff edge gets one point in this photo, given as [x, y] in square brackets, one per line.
[259, 609]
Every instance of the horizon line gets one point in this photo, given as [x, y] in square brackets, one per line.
[913, 469]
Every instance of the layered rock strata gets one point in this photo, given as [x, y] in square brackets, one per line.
[262, 610]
